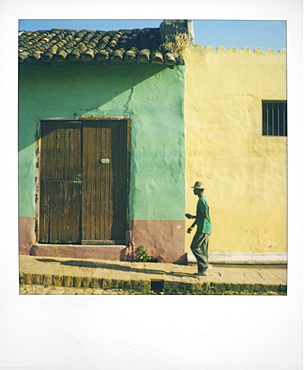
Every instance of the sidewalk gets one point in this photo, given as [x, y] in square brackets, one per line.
[103, 274]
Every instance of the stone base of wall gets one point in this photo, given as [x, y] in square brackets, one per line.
[106, 252]
[244, 258]
[163, 240]
[27, 236]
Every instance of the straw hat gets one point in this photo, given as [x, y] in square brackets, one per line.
[198, 185]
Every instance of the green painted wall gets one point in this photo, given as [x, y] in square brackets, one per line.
[151, 94]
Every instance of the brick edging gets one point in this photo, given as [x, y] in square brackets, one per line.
[167, 285]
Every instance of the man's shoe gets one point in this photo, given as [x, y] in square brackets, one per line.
[203, 273]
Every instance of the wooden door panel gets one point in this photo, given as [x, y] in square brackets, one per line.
[60, 211]
[61, 156]
[97, 181]
[60, 182]
[120, 180]
[106, 181]
[44, 219]
[90, 198]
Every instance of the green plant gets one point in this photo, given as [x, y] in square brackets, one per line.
[209, 289]
[141, 255]
[176, 291]
[181, 42]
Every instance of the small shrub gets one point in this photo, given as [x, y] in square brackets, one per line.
[178, 46]
[141, 255]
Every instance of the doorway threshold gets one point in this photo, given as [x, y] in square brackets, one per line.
[106, 252]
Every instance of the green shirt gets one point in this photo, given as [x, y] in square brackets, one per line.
[203, 223]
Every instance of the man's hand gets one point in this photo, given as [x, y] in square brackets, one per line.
[188, 215]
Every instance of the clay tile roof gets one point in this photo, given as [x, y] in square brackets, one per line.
[61, 45]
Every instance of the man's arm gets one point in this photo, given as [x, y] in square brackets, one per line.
[194, 223]
[202, 217]
[189, 216]
[203, 214]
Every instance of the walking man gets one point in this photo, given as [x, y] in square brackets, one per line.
[200, 242]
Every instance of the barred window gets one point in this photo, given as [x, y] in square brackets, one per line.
[274, 117]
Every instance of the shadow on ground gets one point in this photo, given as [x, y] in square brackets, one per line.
[117, 267]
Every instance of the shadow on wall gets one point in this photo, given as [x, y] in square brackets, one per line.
[50, 91]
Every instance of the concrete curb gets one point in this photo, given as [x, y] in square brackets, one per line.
[244, 258]
[144, 277]
[145, 285]
[81, 281]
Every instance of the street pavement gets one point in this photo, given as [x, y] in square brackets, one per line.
[57, 275]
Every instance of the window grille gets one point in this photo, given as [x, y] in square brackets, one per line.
[274, 117]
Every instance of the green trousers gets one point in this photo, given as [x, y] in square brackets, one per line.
[199, 247]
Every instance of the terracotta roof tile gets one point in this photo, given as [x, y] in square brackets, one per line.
[60, 45]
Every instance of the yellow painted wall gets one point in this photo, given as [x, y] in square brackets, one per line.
[245, 172]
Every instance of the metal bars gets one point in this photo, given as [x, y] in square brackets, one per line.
[274, 118]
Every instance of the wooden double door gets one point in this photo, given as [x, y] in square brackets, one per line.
[84, 181]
